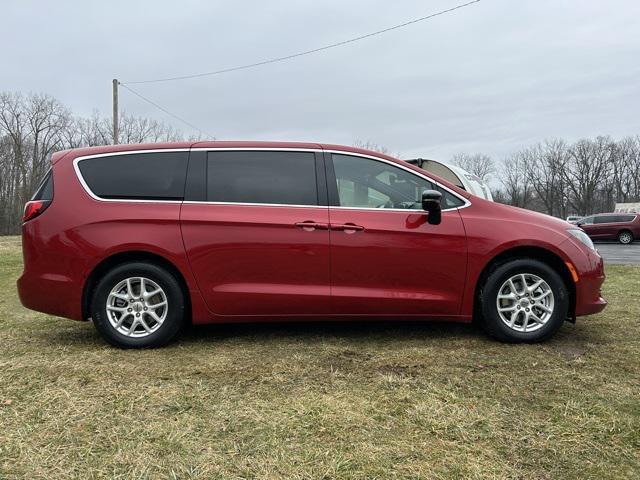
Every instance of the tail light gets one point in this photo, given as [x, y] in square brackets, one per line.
[34, 208]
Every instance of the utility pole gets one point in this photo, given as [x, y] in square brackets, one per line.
[115, 111]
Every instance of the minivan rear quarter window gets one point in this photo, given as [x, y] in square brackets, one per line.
[45, 188]
[139, 176]
[283, 178]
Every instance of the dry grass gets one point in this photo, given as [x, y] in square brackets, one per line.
[321, 400]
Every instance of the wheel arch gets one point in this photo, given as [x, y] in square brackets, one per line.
[534, 252]
[120, 258]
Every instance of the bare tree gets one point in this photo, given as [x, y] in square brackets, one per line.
[480, 165]
[32, 129]
[545, 164]
[517, 190]
[34, 126]
[626, 169]
[588, 167]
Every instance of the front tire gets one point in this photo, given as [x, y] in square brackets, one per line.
[523, 301]
[138, 305]
[625, 237]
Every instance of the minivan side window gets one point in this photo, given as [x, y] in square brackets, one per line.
[587, 221]
[137, 176]
[262, 177]
[367, 183]
[616, 219]
[604, 219]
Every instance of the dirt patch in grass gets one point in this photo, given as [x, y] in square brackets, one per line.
[334, 400]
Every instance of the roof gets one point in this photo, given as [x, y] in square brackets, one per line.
[80, 152]
[608, 214]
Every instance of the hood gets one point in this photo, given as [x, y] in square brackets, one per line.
[529, 216]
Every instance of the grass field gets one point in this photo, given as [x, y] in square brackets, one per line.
[322, 400]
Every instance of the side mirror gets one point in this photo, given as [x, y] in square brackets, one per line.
[431, 203]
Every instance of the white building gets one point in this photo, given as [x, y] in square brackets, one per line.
[627, 207]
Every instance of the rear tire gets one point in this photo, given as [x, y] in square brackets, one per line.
[138, 305]
[523, 301]
[625, 237]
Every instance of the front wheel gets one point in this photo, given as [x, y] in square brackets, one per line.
[137, 305]
[625, 237]
[523, 300]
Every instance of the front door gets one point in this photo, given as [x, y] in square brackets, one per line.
[258, 244]
[385, 258]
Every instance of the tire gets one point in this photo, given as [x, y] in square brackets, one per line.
[117, 302]
[625, 237]
[524, 329]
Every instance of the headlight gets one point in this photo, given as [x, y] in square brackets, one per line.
[583, 237]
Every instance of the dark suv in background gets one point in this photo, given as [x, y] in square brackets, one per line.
[624, 227]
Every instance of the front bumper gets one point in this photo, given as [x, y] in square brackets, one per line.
[590, 268]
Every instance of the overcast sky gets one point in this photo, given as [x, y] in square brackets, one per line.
[492, 77]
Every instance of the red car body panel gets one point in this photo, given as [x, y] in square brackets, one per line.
[398, 264]
[494, 228]
[252, 262]
[248, 258]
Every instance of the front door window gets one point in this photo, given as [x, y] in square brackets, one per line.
[368, 183]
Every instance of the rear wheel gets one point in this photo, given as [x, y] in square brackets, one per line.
[138, 305]
[523, 300]
[625, 237]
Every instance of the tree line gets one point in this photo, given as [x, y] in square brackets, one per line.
[561, 178]
[34, 126]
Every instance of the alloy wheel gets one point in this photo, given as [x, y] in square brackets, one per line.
[625, 237]
[136, 307]
[525, 302]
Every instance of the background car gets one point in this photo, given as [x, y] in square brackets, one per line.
[573, 218]
[624, 227]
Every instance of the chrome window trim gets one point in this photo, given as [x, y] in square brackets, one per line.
[86, 188]
[247, 204]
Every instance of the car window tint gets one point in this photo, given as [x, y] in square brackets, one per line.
[368, 183]
[285, 178]
[147, 176]
[626, 218]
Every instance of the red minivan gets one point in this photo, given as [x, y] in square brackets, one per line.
[145, 238]
[624, 227]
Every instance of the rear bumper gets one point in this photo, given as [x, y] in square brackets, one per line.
[49, 293]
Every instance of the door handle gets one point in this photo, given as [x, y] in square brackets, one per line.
[348, 227]
[310, 225]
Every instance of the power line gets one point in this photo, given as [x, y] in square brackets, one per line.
[202, 132]
[306, 52]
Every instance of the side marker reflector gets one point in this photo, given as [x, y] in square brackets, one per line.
[572, 269]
